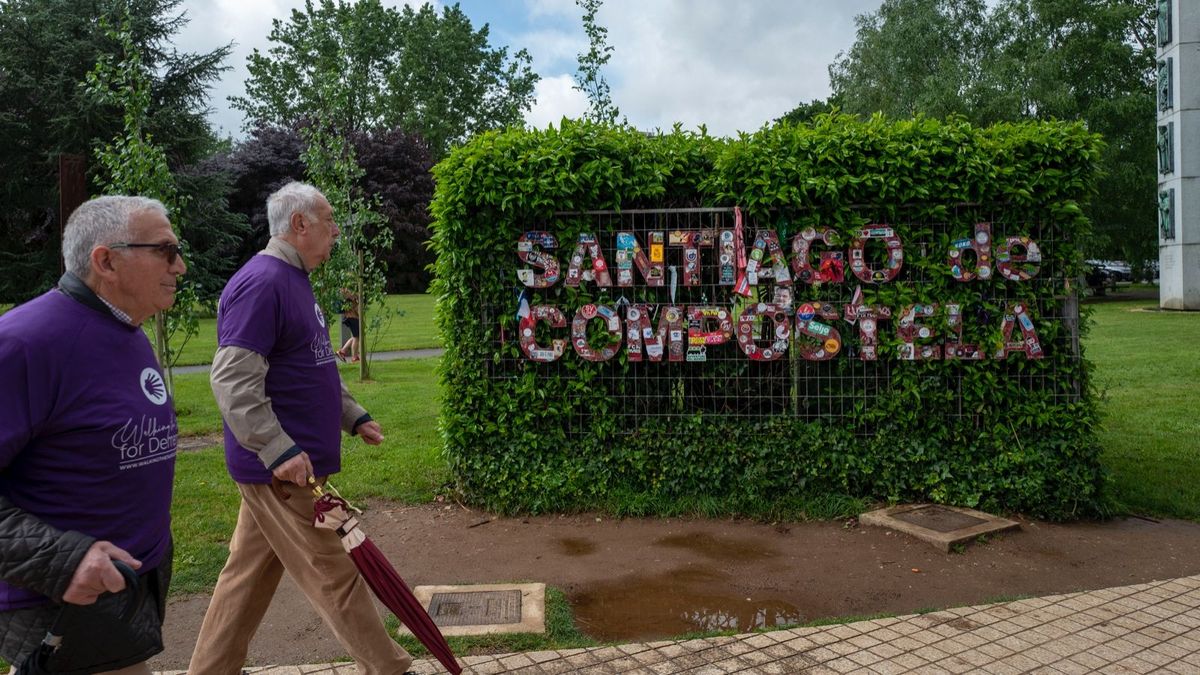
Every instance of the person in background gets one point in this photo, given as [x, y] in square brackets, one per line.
[88, 433]
[277, 386]
[350, 320]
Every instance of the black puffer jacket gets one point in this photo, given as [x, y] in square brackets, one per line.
[39, 557]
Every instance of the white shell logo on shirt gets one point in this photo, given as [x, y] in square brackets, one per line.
[153, 386]
[320, 316]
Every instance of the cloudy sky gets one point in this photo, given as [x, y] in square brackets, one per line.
[731, 65]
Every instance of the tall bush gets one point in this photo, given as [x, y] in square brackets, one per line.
[1012, 434]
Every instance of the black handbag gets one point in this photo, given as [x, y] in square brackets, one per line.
[118, 630]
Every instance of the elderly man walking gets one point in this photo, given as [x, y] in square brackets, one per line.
[277, 386]
[88, 433]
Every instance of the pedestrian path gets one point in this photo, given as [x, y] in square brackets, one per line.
[1145, 628]
[375, 356]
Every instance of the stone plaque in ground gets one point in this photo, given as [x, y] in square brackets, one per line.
[942, 526]
[485, 608]
[476, 608]
[939, 518]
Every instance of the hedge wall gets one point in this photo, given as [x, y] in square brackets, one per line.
[1011, 434]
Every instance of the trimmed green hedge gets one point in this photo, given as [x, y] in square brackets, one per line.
[1006, 435]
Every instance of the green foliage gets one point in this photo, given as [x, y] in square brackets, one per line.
[588, 78]
[1019, 448]
[1019, 60]
[413, 69]
[354, 271]
[47, 47]
[132, 164]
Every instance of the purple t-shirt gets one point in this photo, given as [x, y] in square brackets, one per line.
[87, 429]
[268, 307]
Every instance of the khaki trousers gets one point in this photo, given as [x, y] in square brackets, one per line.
[272, 536]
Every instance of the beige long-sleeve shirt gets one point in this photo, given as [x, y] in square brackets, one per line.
[238, 381]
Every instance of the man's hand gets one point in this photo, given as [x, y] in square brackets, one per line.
[295, 470]
[371, 432]
[96, 573]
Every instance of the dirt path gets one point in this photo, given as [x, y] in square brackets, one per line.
[641, 579]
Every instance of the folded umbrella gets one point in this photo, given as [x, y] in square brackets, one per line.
[332, 512]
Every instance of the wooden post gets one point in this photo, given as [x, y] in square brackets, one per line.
[72, 191]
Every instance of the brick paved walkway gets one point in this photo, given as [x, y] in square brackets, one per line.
[1147, 628]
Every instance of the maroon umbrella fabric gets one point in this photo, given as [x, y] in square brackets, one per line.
[333, 512]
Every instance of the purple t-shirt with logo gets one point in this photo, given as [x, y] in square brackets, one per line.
[87, 429]
[268, 307]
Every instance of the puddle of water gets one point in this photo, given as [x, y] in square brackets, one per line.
[678, 602]
[718, 549]
[574, 546]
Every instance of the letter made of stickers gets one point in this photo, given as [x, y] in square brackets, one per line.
[1018, 266]
[707, 327]
[691, 241]
[955, 349]
[817, 339]
[579, 336]
[528, 329]
[767, 260]
[1030, 345]
[832, 265]
[639, 336]
[868, 318]
[533, 248]
[773, 327]
[587, 248]
[630, 255]
[858, 257]
[981, 245]
[909, 331]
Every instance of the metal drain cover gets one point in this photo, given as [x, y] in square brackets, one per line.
[939, 519]
[485, 609]
[478, 608]
[942, 526]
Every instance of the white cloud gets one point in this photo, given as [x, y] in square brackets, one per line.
[556, 98]
[731, 66]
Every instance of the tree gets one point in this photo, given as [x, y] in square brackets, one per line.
[46, 49]
[1025, 59]
[395, 168]
[429, 74]
[132, 164]
[354, 265]
[589, 79]
[913, 56]
[805, 112]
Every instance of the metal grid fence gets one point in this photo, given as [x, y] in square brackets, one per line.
[729, 383]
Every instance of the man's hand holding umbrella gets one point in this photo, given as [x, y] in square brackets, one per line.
[296, 470]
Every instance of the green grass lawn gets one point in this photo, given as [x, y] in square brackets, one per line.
[1148, 369]
[408, 324]
[407, 467]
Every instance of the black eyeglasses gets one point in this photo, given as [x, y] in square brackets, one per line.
[171, 251]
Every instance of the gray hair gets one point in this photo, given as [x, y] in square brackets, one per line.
[100, 222]
[291, 198]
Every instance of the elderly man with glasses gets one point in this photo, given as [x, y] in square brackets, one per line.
[277, 386]
[88, 433]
